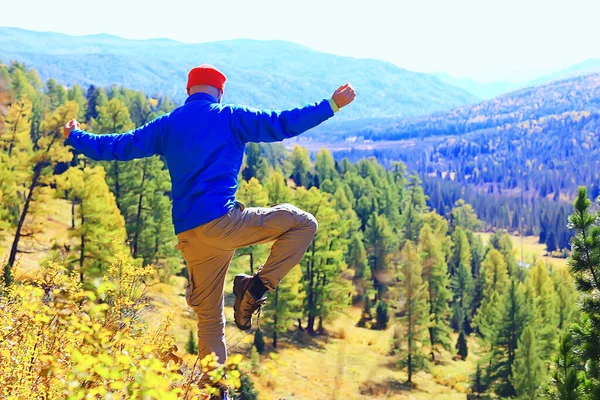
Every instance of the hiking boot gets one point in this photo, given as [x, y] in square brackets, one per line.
[246, 304]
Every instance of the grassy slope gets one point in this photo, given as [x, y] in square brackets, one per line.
[350, 363]
[530, 250]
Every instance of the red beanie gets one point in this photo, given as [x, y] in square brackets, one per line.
[206, 75]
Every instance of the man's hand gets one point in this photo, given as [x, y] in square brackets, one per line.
[344, 95]
[69, 127]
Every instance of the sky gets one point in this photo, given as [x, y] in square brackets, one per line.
[477, 39]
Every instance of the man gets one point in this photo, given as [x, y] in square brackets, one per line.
[203, 142]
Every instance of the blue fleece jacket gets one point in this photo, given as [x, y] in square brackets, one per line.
[203, 143]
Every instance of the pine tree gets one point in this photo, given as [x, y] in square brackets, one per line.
[462, 286]
[76, 95]
[566, 297]
[192, 346]
[259, 341]
[16, 150]
[253, 194]
[515, 315]
[49, 151]
[585, 266]
[99, 228]
[113, 117]
[255, 163]
[300, 166]
[461, 346]
[435, 273]
[464, 216]
[461, 251]
[325, 167]
[546, 310]
[382, 315]
[327, 289]
[413, 209]
[413, 295]
[380, 244]
[277, 189]
[528, 372]
[567, 375]
[286, 305]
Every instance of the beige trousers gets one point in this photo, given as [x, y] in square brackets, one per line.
[209, 248]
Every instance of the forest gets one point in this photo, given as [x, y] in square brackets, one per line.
[415, 267]
[518, 159]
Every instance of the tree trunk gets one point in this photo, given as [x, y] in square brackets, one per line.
[275, 315]
[300, 328]
[251, 263]
[72, 214]
[117, 186]
[82, 252]
[37, 171]
[431, 328]
[138, 217]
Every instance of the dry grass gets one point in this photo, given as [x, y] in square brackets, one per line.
[350, 363]
[529, 250]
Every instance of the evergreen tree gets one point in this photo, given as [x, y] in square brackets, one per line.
[382, 315]
[325, 167]
[414, 208]
[48, 152]
[277, 189]
[76, 95]
[300, 166]
[461, 346]
[327, 289]
[567, 375]
[546, 310]
[192, 346]
[413, 295]
[380, 243]
[96, 97]
[99, 228]
[435, 273]
[259, 341]
[256, 166]
[462, 286]
[16, 150]
[515, 315]
[286, 305]
[461, 251]
[464, 216]
[585, 266]
[528, 372]
[565, 297]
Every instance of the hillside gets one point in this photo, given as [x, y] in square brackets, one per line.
[574, 94]
[272, 74]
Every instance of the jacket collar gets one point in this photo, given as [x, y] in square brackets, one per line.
[200, 96]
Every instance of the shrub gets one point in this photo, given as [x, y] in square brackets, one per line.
[62, 341]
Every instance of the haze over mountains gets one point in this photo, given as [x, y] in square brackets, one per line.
[272, 74]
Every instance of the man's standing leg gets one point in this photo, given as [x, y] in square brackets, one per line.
[207, 268]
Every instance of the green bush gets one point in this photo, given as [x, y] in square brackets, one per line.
[246, 390]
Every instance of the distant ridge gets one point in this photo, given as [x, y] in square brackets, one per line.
[274, 74]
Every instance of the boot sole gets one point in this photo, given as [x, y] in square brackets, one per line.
[238, 292]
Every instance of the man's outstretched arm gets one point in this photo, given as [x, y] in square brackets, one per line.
[138, 143]
[252, 125]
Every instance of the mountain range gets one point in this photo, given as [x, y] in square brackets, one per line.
[488, 90]
[271, 74]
